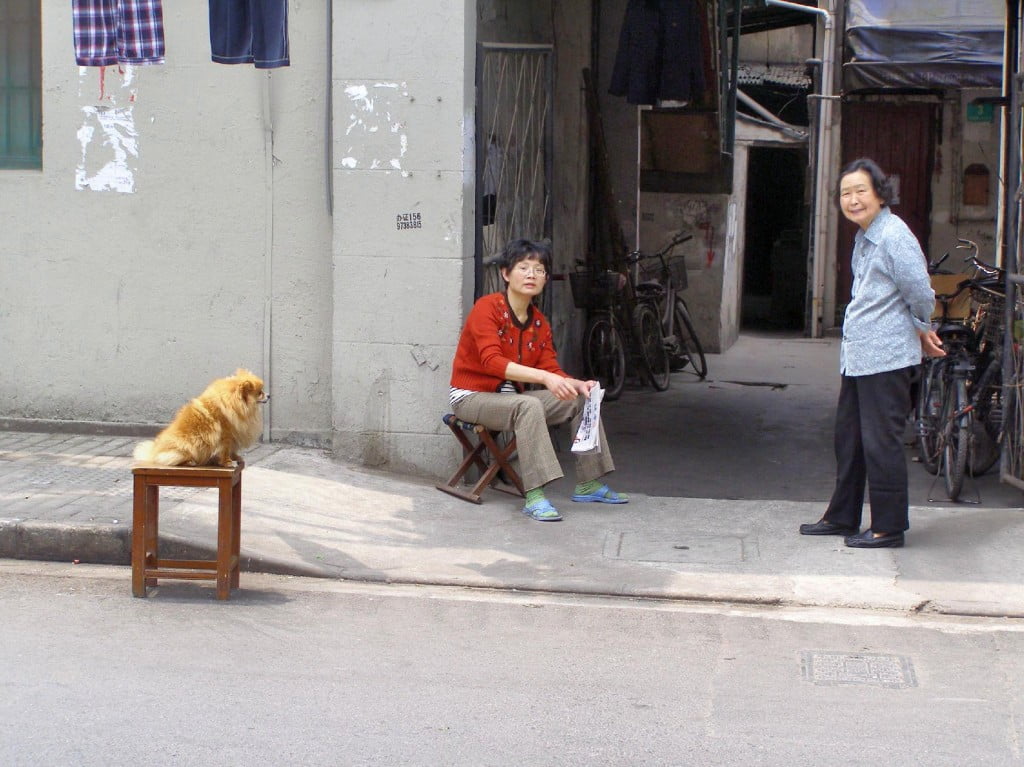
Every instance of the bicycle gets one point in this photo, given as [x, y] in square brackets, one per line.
[604, 341]
[964, 388]
[639, 323]
[663, 291]
[943, 408]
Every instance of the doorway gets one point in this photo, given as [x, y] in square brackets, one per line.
[775, 254]
[900, 137]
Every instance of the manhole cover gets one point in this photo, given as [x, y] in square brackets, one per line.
[872, 669]
[672, 547]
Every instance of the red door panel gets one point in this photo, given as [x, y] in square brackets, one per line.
[900, 138]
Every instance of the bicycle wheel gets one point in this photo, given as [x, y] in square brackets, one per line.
[686, 351]
[987, 418]
[988, 398]
[604, 355]
[929, 416]
[957, 425]
[651, 344]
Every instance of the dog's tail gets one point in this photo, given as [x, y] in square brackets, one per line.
[144, 451]
[147, 452]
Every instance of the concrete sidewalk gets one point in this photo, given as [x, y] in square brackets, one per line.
[69, 498]
[757, 432]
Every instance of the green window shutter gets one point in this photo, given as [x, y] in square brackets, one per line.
[21, 92]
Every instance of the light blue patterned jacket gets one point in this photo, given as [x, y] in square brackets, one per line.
[892, 299]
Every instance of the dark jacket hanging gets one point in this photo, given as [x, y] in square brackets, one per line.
[660, 57]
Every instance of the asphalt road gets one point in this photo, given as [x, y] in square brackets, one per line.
[310, 672]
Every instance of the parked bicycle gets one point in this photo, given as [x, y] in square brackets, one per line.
[604, 340]
[638, 321]
[959, 407]
[661, 286]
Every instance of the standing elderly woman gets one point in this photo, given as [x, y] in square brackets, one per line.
[505, 344]
[886, 329]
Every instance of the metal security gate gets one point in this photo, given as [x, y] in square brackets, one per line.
[513, 152]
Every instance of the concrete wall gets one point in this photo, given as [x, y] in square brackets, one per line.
[964, 143]
[403, 179]
[117, 306]
[313, 223]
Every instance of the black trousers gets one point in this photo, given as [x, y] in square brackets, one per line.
[870, 419]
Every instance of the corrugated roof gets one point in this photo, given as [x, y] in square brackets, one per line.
[792, 76]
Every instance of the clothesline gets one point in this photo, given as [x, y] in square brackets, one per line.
[108, 32]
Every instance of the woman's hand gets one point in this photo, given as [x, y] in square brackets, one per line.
[931, 344]
[563, 388]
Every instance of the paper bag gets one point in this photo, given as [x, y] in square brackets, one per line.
[587, 438]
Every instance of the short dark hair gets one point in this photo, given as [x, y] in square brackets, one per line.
[520, 250]
[881, 183]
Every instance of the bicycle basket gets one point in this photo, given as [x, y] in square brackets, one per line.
[595, 290]
[650, 271]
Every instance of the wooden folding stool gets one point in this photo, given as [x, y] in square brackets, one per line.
[487, 456]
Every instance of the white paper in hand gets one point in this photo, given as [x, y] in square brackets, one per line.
[587, 438]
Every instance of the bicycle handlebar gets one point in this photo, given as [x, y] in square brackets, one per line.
[678, 239]
[977, 263]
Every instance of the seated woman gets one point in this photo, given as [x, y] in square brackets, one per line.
[505, 344]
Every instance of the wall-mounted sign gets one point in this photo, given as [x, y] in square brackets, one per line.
[979, 113]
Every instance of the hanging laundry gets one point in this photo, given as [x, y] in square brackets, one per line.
[660, 55]
[109, 32]
[249, 32]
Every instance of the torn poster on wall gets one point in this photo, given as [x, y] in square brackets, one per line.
[108, 138]
[375, 128]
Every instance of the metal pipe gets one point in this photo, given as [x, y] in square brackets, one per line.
[766, 114]
[822, 171]
[826, 15]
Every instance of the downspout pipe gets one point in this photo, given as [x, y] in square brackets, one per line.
[822, 171]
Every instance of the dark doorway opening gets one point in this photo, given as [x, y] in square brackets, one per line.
[775, 255]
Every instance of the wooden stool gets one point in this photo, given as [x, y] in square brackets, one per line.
[147, 566]
[497, 460]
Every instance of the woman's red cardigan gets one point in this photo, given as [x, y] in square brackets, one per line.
[492, 337]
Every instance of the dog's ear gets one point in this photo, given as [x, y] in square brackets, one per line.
[242, 373]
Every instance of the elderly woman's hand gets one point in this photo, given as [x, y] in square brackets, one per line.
[931, 344]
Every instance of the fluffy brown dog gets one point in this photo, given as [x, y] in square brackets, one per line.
[212, 428]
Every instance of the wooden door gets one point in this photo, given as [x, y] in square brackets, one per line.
[901, 139]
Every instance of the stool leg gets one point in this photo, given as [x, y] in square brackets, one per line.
[224, 539]
[139, 538]
[152, 528]
[236, 530]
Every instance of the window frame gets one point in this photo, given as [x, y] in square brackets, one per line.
[21, 93]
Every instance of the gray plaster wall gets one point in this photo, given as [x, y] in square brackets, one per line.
[117, 306]
[402, 176]
[964, 143]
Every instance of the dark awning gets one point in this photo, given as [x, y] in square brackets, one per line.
[936, 44]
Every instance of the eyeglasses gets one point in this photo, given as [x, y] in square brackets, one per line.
[534, 269]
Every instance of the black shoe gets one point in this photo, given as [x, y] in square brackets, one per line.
[824, 527]
[868, 540]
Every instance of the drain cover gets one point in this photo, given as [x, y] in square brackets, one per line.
[671, 547]
[872, 669]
